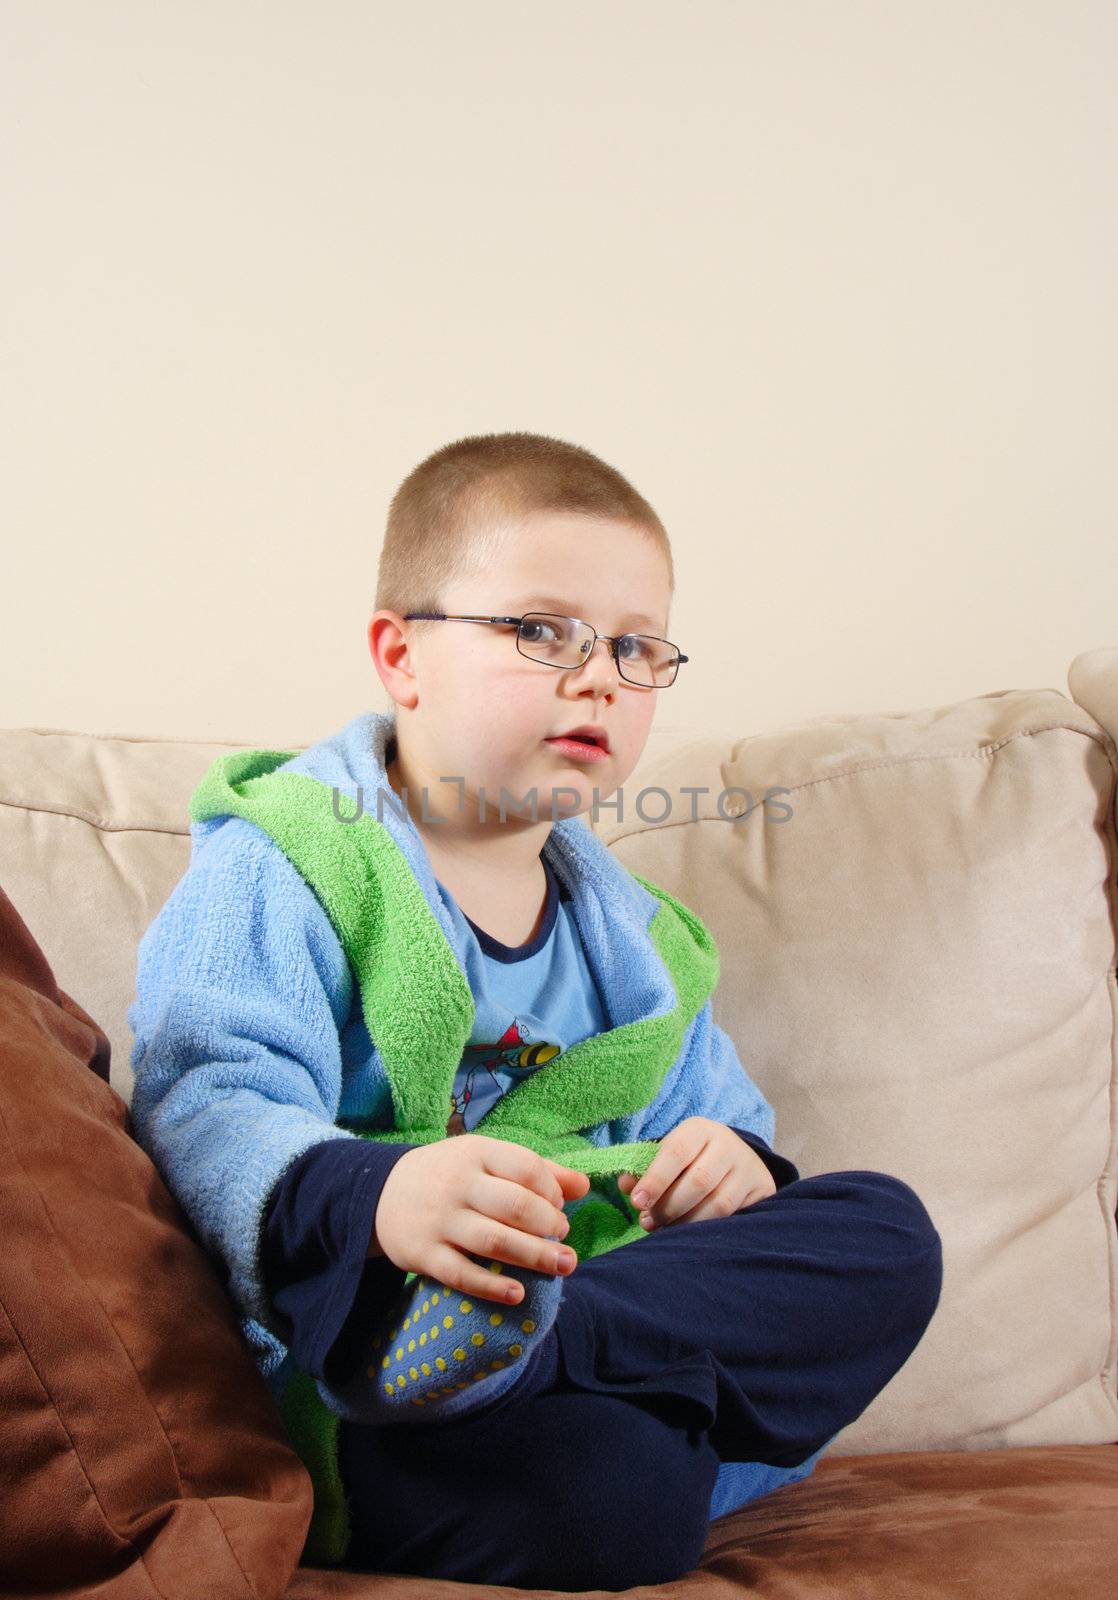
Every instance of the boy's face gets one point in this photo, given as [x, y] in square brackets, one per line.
[478, 710]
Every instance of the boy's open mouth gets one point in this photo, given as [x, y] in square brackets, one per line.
[587, 743]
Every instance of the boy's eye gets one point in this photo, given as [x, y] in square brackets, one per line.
[632, 646]
[538, 632]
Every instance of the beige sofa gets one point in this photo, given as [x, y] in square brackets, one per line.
[917, 915]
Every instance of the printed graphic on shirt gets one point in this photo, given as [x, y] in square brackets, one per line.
[489, 1071]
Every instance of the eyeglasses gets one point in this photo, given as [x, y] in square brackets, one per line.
[566, 642]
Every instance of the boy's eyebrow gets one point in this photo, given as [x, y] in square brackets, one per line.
[564, 608]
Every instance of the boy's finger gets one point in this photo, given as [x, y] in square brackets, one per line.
[675, 1154]
[570, 1172]
[562, 1176]
[555, 1173]
[664, 1168]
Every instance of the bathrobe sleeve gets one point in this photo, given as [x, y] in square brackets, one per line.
[242, 989]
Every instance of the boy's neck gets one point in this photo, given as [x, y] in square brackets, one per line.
[470, 855]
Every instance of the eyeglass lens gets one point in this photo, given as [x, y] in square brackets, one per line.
[566, 642]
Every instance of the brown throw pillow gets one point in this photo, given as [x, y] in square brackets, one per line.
[140, 1448]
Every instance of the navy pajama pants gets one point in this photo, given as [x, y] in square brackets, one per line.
[752, 1339]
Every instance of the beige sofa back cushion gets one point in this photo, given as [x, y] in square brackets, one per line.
[917, 968]
[917, 937]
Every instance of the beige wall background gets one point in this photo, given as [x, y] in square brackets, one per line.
[833, 284]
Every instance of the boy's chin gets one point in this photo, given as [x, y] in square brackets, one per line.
[590, 796]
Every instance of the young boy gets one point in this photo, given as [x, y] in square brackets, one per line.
[438, 1082]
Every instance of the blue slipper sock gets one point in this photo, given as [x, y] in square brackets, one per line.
[438, 1353]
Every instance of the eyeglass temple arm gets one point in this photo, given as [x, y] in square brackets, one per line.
[443, 616]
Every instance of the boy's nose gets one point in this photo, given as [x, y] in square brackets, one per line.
[609, 649]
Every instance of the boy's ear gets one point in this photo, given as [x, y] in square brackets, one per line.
[390, 648]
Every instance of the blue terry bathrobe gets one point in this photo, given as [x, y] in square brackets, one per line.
[304, 982]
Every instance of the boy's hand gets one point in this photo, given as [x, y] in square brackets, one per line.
[702, 1169]
[446, 1203]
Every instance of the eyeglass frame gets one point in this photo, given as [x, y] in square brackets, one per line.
[612, 640]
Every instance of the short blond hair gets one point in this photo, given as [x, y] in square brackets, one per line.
[446, 515]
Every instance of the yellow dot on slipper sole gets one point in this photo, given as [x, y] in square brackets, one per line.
[477, 1339]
